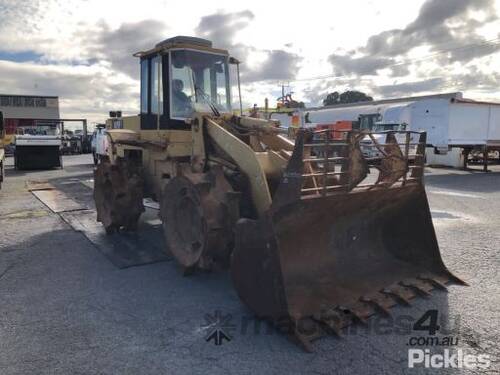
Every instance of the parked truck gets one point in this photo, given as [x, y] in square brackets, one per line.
[38, 146]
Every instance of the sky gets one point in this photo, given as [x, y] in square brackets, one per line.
[82, 50]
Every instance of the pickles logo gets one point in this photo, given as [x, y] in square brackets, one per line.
[449, 359]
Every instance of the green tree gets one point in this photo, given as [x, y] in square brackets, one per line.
[346, 97]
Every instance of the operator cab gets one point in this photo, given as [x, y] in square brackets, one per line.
[179, 76]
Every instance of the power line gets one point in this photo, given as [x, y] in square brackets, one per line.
[486, 43]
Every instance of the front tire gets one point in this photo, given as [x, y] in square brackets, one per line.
[199, 213]
[118, 193]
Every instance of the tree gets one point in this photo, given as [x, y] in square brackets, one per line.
[346, 97]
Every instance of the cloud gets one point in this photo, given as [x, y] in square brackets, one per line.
[440, 24]
[221, 28]
[61, 49]
[278, 65]
[314, 93]
[366, 65]
[409, 88]
[474, 79]
[118, 45]
[83, 90]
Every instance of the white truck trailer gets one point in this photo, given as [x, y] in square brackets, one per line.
[455, 126]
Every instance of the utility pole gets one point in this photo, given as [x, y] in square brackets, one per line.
[283, 85]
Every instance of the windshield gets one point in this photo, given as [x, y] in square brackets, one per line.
[38, 130]
[368, 121]
[198, 80]
[384, 127]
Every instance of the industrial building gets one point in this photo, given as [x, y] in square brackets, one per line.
[27, 110]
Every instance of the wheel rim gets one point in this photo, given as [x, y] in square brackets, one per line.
[183, 222]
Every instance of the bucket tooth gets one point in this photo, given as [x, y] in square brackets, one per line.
[354, 314]
[306, 330]
[301, 340]
[416, 288]
[437, 284]
[458, 280]
[333, 327]
[397, 296]
[378, 306]
[332, 322]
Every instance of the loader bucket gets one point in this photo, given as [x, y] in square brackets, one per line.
[345, 252]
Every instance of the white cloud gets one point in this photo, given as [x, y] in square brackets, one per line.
[86, 47]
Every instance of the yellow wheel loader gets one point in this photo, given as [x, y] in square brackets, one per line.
[314, 233]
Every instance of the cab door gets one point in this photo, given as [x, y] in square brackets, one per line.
[152, 108]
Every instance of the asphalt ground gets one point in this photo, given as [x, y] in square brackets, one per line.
[66, 309]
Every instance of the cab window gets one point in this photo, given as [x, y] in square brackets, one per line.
[144, 86]
[199, 81]
[156, 86]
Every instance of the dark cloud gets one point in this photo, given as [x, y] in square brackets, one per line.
[279, 65]
[366, 65]
[221, 28]
[440, 24]
[474, 79]
[480, 81]
[409, 88]
[435, 12]
[118, 45]
[399, 70]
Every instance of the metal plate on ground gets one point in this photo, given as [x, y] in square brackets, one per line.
[72, 199]
[57, 201]
[124, 249]
[38, 185]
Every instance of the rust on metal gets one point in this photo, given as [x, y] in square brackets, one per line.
[118, 193]
[352, 241]
[199, 212]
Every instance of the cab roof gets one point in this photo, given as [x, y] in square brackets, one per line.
[187, 42]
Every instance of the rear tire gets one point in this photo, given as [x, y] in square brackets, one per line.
[118, 193]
